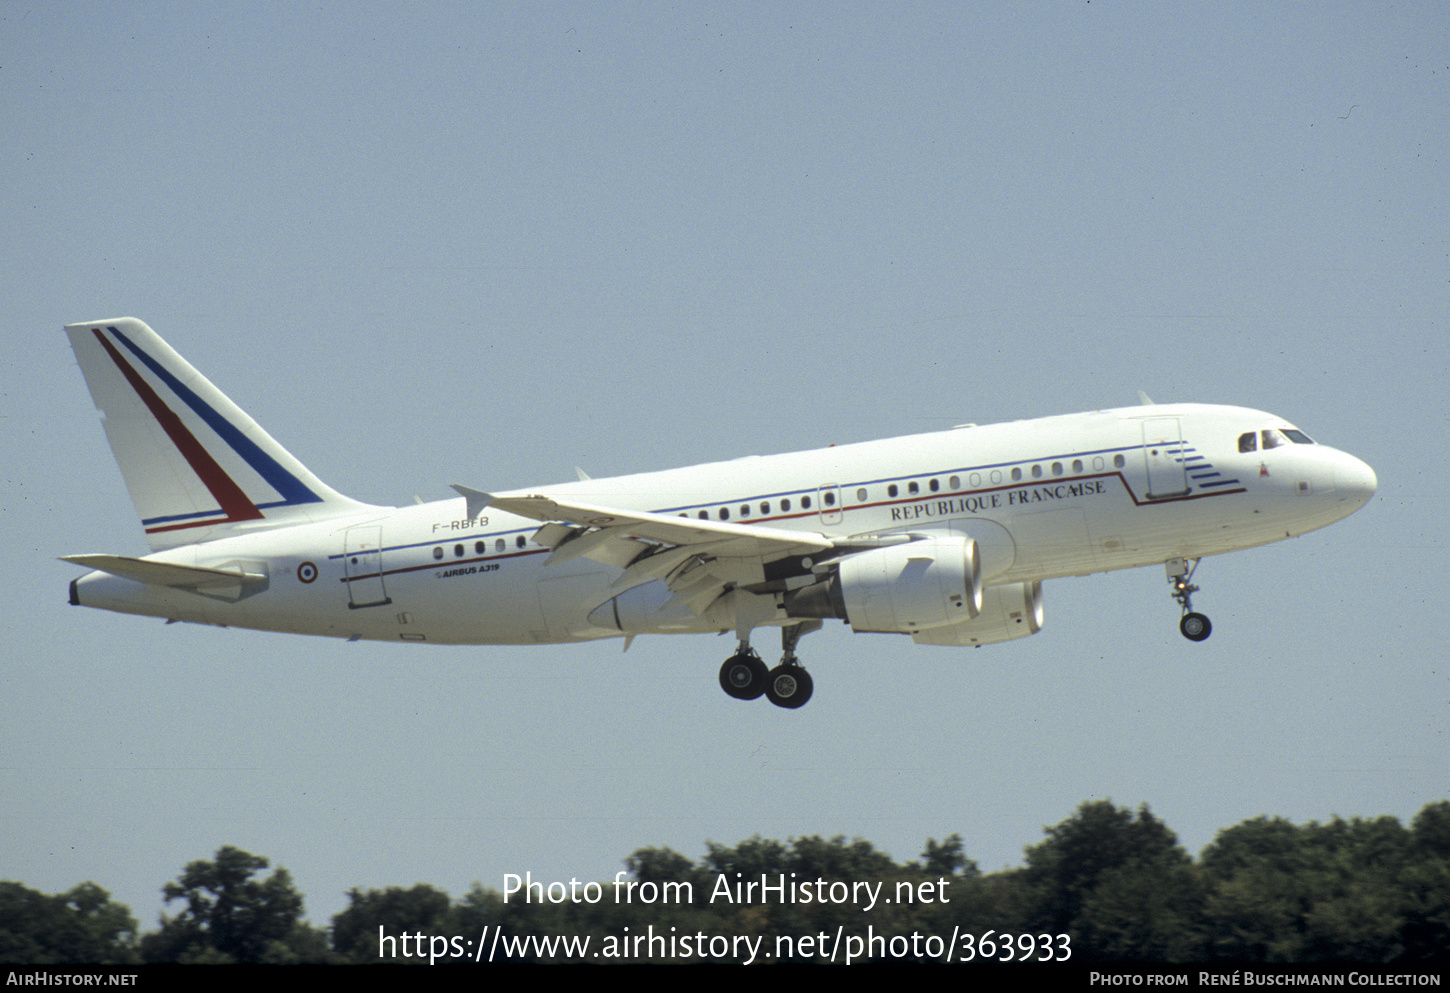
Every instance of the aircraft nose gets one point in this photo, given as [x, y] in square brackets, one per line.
[1354, 482]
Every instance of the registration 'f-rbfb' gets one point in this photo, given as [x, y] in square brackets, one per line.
[945, 537]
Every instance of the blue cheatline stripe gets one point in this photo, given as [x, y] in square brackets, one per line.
[170, 518]
[207, 513]
[289, 486]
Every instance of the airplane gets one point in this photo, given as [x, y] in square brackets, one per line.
[946, 536]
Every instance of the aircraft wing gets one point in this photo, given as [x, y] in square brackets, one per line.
[736, 539]
[698, 559]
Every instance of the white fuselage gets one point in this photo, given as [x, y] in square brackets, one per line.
[1055, 496]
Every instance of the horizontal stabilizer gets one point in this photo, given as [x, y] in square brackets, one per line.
[153, 573]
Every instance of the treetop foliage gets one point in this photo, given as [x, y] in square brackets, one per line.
[229, 915]
[1115, 880]
[80, 926]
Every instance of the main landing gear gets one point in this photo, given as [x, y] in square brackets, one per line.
[1194, 626]
[745, 677]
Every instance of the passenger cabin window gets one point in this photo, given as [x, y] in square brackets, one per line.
[1016, 474]
[765, 507]
[829, 498]
[745, 510]
[1119, 461]
[912, 488]
[499, 545]
[520, 540]
[861, 495]
[934, 485]
[479, 548]
[891, 490]
[784, 505]
[724, 513]
[1248, 442]
[806, 503]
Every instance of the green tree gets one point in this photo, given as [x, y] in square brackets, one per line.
[1425, 883]
[814, 857]
[397, 911]
[1425, 935]
[231, 916]
[1430, 831]
[665, 865]
[1287, 893]
[80, 926]
[750, 858]
[947, 858]
[478, 909]
[1118, 881]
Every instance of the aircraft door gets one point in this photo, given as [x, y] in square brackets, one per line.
[1163, 456]
[363, 565]
[828, 503]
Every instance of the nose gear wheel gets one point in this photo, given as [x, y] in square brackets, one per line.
[1194, 626]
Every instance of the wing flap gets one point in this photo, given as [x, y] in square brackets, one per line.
[658, 565]
[700, 561]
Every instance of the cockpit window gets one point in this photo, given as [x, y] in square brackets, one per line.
[1272, 438]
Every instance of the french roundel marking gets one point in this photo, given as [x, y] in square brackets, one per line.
[307, 572]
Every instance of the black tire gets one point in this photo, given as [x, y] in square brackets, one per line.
[1195, 627]
[743, 677]
[789, 686]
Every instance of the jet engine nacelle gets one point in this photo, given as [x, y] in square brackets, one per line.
[1010, 611]
[899, 589]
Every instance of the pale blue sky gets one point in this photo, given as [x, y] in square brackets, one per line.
[435, 243]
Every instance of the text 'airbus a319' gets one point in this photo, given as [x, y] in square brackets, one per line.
[946, 537]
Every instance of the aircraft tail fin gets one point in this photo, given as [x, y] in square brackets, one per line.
[197, 467]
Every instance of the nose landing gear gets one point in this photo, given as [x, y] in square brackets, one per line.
[1194, 626]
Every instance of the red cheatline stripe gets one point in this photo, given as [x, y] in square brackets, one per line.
[228, 494]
